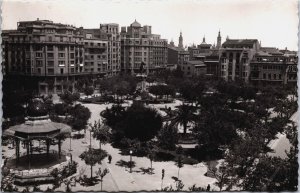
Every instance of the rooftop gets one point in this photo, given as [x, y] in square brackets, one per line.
[135, 24]
[240, 42]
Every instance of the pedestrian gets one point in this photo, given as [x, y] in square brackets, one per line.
[109, 159]
[208, 188]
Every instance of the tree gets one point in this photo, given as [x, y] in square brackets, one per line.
[184, 115]
[221, 174]
[101, 174]
[167, 137]
[100, 132]
[179, 164]
[79, 117]
[69, 98]
[114, 115]
[93, 156]
[137, 121]
[89, 90]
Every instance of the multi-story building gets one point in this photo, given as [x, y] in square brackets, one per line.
[139, 47]
[235, 58]
[110, 32]
[49, 55]
[5, 39]
[273, 67]
[96, 56]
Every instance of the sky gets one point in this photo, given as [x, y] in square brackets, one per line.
[273, 22]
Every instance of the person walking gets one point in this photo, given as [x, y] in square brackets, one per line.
[109, 159]
[208, 188]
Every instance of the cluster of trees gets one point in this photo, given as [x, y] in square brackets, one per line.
[120, 85]
[162, 90]
[135, 122]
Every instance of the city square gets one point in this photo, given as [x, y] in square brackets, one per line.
[119, 107]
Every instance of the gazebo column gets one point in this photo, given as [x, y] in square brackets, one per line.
[27, 147]
[31, 150]
[48, 146]
[59, 148]
[28, 152]
[17, 150]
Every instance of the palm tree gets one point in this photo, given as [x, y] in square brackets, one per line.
[184, 115]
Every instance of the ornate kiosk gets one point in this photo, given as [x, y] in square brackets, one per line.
[33, 160]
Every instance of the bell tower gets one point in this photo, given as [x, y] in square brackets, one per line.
[219, 39]
[180, 44]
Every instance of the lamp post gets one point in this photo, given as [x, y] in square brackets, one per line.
[70, 142]
[90, 138]
[130, 152]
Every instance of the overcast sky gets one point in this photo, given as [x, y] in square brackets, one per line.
[273, 22]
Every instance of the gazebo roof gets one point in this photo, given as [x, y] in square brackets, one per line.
[38, 127]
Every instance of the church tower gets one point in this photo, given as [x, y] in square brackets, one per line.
[219, 39]
[180, 44]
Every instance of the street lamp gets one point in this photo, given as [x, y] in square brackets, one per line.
[90, 138]
[130, 163]
[70, 142]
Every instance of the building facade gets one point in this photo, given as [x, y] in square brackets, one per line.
[96, 57]
[139, 47]
[110, 32]
[273, 67]
[235, 58]
[50, 53]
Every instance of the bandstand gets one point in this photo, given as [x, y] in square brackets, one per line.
[34, 161]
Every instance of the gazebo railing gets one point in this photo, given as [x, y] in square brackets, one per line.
[41, 172]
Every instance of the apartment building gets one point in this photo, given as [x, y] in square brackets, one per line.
[271, 66]
[140, 47]
[110, 33]
[235, 58]
[49, 54]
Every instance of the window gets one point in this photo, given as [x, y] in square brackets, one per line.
[72, 55]
[61, 48]
[38, 55]
[61, 63]
[50, 55]
[38, 48]
[72, 48]
[70, 39]
[50, 71]
[50, 39]
[279, 76]
[61, 39]
[264, 76]
[269, 76]
[39, 63]
[274, 76]
[50, 48]
[61, 55]
[39, 71]
[50, 63]
[61, 70]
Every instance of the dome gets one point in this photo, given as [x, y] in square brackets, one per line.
[135, 24]
[37, 108]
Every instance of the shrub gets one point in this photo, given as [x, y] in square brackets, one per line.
[164, 156]
[190, 161]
